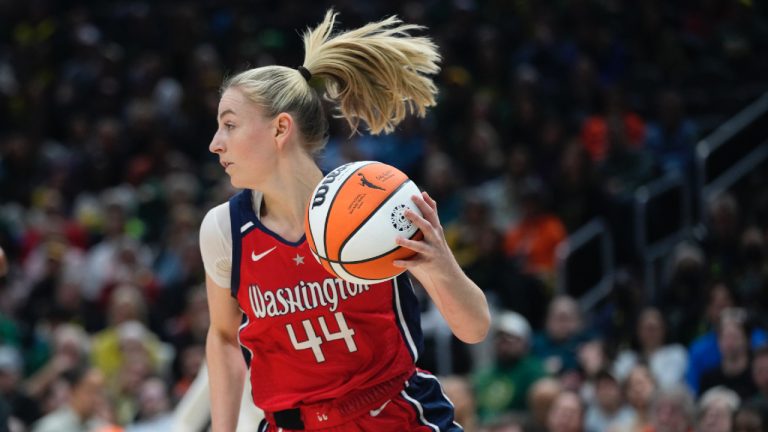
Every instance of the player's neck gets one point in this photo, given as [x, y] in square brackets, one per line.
[287, 195]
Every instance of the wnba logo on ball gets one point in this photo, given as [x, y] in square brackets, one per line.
[399, 221]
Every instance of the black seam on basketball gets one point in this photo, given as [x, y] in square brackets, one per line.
[342, 263]
[330, 206]
[344, 266]
[371, 213]
[364, 278]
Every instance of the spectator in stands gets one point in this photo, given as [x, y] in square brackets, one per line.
[48, 219]
[541, 396]
[186, 333]
[626, 166]
[760, 373]
[549, 148]
[440, 176]
[667, 363]
[17, 403]
[189, 359]
[141, 355]
[616, 126]
[79, 413]
[704, 353]
[477, 244]
[639, 392]
[534, 239]
[69, 346]
[503, 192]
[118, 258]
[154, 414]
[172, 267]
[506, 423]
[715, 410]
[459, 391]
[680, 300]
[608, 407]
[50, 267]
[191, 325]
[504, 387]
[751, 280]
[672, 136]
[592, 358]
[576, 188]
[127, 306]
[734, 371]
[751, 417]
[566, 413]
[673, 411]
[482, 156]
[558, 344]
[721, 243]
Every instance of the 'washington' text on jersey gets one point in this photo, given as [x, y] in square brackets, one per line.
[303, 296]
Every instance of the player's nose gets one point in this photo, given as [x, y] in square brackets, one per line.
[217, 144]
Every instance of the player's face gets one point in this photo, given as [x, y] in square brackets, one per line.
[244, 140]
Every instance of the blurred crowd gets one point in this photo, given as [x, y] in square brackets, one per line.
[550, 113]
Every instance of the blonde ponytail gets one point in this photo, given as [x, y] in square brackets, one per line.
[377, 73]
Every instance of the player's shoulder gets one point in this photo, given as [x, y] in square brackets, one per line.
[221, 211]
[216, 222]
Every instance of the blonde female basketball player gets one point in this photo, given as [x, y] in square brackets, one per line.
[323, 354]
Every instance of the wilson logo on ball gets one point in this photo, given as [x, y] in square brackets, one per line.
[318, 197]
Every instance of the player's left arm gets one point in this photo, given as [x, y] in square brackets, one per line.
[457, 297]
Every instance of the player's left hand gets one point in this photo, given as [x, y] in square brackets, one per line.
[432, 251]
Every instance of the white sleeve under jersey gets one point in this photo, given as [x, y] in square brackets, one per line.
[216, 241]
[216, 245]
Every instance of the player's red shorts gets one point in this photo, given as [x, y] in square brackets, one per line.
[420, 407]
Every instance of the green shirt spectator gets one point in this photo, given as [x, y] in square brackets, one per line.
[504, 386]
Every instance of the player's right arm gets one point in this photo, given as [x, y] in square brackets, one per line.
[226, 367]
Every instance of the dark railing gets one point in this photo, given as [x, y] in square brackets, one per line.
[731, 152]
[662, 219]
[666, 210]
[585, 263]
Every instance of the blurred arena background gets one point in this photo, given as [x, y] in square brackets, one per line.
[600, 167]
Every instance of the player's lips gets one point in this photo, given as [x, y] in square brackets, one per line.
[225, 164]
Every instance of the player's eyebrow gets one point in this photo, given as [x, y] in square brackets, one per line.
[225, 112]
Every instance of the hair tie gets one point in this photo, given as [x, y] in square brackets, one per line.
[305, 73]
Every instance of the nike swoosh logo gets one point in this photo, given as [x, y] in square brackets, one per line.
[376, 412]
[261, 255]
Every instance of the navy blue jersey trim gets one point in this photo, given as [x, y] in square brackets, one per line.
[236, 222]
[433, 409]
[246, 352]
[250, 215]
[263, 426]
[410, 325]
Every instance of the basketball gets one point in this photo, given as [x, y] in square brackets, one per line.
[354, 216]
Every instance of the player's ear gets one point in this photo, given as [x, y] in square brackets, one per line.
[283, 123]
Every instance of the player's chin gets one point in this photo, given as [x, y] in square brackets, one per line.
[236, 182]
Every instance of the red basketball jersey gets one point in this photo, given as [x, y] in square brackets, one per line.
[308, 336]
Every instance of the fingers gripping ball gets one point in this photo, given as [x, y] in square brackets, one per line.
[353, 218]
